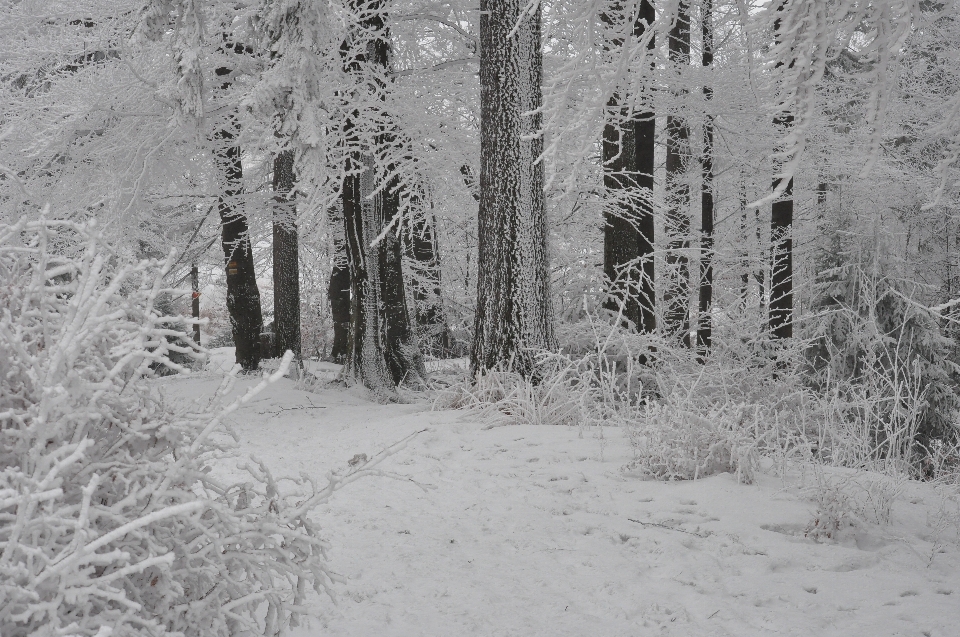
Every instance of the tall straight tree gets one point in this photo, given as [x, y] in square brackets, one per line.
[243, 295]
[781, 226]
[513, 313]
[676, 297]
[286, 258]
[628, 158]
[705, 320]
[384, 350]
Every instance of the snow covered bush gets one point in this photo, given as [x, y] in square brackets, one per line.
[110, 521]
[886, 364]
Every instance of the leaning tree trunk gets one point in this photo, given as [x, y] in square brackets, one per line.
[513, 315]
[243, 296]
[286, 259]
[781, 249]
[705, 320]
[384, 350]
[676, 296]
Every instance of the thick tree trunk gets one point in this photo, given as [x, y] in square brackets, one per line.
[243, 296]
[513, 316]
[383, 349]
[676, 296]
[781, 249]
[286, 259]
[705, 322]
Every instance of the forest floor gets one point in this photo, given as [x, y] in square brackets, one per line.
[522, 530]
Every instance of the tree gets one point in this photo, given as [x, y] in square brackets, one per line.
[384, 350]
[286, 258]
[513, 315]
[705, 321]
[781, 228]
[677, 290]
[243, 295]
[628, 160]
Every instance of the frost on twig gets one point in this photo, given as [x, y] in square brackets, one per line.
[110, 521]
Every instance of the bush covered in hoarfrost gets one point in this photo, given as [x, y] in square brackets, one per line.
[110, 522]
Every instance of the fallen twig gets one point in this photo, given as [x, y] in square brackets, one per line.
[669, 528]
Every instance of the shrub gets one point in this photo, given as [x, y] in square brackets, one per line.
[110, 520]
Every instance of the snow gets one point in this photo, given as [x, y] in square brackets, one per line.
[522, 530]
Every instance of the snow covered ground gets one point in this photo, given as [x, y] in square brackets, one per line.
[527, 531]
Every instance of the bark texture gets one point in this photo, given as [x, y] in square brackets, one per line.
[513, 314]
[676, 297]
[286, 259]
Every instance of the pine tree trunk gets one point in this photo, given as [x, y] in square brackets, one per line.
[195, 286]
[286, 259]
[781, 249]
[383, 347]
[676, 296]
[620, 232]
[420, 246]
[339, 294]
[705, 323]
[243, 296]
[513, 316]
[645, 136]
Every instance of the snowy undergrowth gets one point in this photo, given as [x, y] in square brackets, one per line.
[110, 521]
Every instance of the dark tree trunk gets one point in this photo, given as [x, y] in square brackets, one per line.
[243, 296]
[383, 348]
[745, 252]
[646, 137]
[420, 246]
[286, 259]
[781, 249]
[676, 296]
[339, 295]
[513, 316]
[628, 144]
[195, 285]
[705, 323]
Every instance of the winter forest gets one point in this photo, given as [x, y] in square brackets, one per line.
[479, 317]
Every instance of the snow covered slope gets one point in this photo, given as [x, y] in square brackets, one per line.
[536, 531]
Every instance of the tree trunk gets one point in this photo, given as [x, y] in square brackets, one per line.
[781, 249]
[676, 296]
[645, 136]
[513, 315]
[705, 323]
[384, 350]
[195, 285]
[339, 294]
[243, 296]
[420, 246]
[286, 259]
